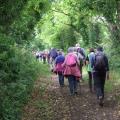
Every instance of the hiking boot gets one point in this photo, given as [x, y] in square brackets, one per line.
[76, 93]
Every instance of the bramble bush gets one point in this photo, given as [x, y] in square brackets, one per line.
[18, 71]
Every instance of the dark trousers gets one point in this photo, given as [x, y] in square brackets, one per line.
[44, 60]
[90, 80]
[72, 84]
[99, 82]
[61, 79]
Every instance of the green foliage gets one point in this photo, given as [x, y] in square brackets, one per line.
[18, 71]
[39, 24]
[22, 29]
[9, 10]
[19, 68]
[64, 38]
[107, 8]
[113, 82]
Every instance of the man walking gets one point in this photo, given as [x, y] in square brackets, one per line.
[100, 68]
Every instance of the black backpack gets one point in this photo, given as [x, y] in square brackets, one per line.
[100, 62]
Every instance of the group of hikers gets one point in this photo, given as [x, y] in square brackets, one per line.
[41, 56]
[71, 64]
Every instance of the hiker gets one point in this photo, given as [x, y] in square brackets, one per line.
[79, 57]
[37, 55]
[89, 69]
[47, 56]
[100, 67]
[82, 61]
[59, 68]
[40, 56]
[53, 54]
[71, 70]
[44, 56]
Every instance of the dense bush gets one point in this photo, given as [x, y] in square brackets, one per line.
[18, 71]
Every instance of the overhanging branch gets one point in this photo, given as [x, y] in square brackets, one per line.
[59, 11]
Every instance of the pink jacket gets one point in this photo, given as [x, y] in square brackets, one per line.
[59, 67]
[74, 70]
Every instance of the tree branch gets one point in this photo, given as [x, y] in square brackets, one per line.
[59, 11]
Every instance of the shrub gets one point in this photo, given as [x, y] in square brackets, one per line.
[18, 71]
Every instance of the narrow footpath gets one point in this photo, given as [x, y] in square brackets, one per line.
[54, 103]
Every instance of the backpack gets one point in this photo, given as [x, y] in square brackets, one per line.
[53, 54]
[100, 62]
[71, 60]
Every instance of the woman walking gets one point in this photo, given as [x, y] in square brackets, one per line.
[59, 68]
[72, 71]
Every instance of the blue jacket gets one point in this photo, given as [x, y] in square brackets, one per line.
[59, 59]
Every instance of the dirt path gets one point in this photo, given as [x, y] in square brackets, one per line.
[61, 106]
